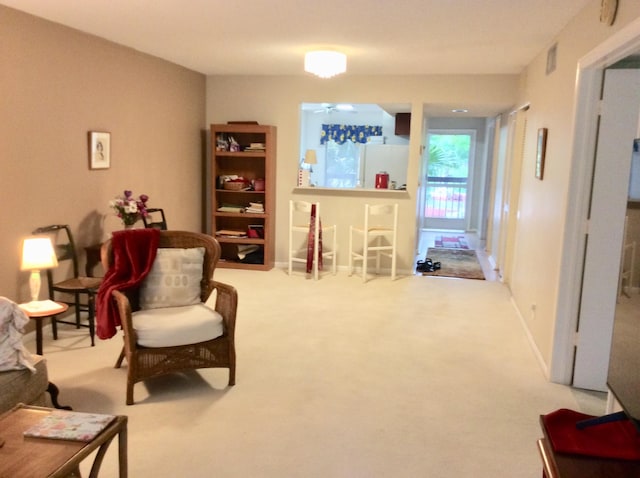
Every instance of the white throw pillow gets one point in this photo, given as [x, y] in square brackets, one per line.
[13, 353]
[174, 279]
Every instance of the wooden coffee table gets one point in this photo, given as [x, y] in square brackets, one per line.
[52, 458]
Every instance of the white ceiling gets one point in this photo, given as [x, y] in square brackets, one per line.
[259, 37]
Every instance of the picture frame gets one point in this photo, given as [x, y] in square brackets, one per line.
[541, 152]
[99, 150]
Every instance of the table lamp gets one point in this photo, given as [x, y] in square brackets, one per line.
[37, 254]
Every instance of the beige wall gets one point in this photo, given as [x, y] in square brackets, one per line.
[276, 101]
[57, 84]
[543, 204]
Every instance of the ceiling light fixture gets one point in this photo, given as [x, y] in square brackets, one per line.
[325, 63]
[460, 110]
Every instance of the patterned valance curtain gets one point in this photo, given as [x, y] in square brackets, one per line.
[342, 132]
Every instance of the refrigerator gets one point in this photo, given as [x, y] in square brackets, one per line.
[377, 158]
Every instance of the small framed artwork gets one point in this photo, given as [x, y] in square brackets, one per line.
[540, 155]
[99, 150]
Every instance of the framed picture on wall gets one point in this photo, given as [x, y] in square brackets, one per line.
[541, 152]
[99, 150]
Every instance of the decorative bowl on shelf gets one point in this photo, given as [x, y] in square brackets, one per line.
[235, 185]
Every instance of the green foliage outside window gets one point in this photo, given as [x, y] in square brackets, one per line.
[449, 155]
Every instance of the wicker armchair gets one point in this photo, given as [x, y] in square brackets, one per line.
[147, 362]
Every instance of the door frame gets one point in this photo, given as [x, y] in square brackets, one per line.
[589, 81]
[507, 208]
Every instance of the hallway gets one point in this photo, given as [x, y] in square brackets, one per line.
[428, 237]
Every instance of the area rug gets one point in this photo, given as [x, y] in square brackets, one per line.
[451, 242]
[455, 263]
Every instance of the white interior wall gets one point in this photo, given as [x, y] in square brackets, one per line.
[543, 204]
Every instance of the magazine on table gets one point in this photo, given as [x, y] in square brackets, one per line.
[67, 425]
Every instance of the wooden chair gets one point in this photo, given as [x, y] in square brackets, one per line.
[300, 216]
[378, 236]
[155, 218]
[147, 361]
[82, 289]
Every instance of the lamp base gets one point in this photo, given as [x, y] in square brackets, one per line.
[34, 285]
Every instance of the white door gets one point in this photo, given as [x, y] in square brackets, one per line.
[448, 179]
[620, 108]
[510, 193]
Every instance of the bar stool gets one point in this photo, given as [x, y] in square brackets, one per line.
[304, 221]
[380, 222]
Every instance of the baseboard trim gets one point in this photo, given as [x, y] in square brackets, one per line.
[532, 342]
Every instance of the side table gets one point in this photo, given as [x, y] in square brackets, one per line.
[563, 465]
[51, 458]
[39, 311]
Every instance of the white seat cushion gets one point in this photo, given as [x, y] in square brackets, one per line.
[172, 326]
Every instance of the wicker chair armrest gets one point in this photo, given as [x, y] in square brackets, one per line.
[226, 305]
[124, 310]
[207, 287]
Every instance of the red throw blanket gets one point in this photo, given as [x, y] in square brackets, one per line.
[133, 254]
[311, 244]
[617, 439]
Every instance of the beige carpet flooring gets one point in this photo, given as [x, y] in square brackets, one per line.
[419, 377]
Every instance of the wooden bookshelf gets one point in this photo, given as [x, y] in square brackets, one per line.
[253, 164]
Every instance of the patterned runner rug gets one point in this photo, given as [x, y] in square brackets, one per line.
[451, 242]
[455, 263]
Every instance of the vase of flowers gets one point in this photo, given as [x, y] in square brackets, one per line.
[128, 208]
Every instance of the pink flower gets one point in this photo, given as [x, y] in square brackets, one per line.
[128, 209]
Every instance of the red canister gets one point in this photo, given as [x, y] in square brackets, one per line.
[382, 180]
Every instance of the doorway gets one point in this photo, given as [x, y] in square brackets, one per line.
[447, 192]
[580, 251]
[470, 176]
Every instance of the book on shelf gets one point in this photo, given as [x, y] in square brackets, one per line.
[67, 425]
[231, 209]
[256, 147]
[246, 249]
[231, 233]
[255, 207]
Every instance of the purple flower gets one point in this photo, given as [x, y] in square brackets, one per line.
[128, 209]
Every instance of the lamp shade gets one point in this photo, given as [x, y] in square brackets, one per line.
[325, 63]
[38, 253]
[310, 157]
